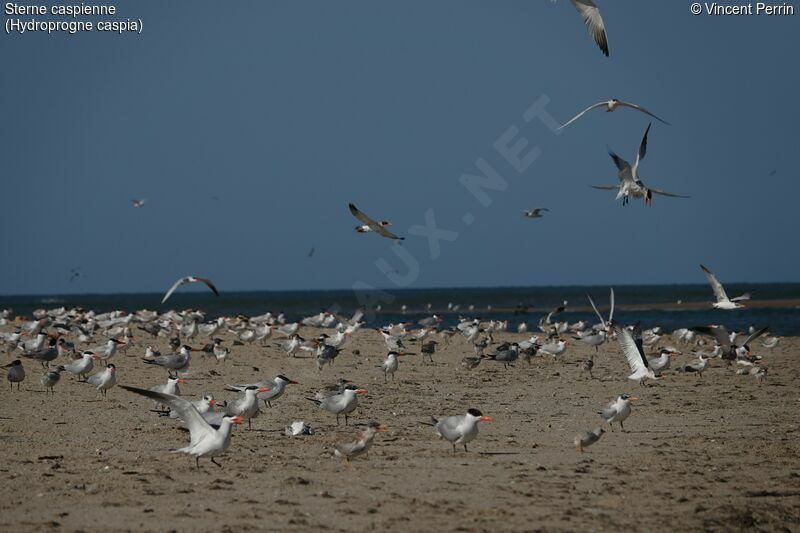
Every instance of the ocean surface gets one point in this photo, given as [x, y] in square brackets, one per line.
[782, 320]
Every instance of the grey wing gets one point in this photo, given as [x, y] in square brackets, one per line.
[643, 110]
[744, 297]
[608, 412]
[642, 150]
[718, 332]
[172, 289]
[94, 379]
[602, 320]
[594, 22]
[665, 193]
[198, 427]
[383, 232]
[632, 349]
[716, 286]
[611, 313]
[755, 335]
[348, 448]
[447, 427]
[364, 219]
[208, 284]
[579, 115]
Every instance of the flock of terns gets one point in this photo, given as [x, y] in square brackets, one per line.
[56, 334]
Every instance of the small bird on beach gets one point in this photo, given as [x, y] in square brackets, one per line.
[588, 365]
[178, 362]
[15, 373]
[618, 410]
[610, 106]
[369, 225]
[187, 280]
[698, 365]
[205, 441]
[460, 429]
[723, 302]
[662, 362]
[428, 349]
[351, 449]
[391, 364]
[586, 439]
[51, 377]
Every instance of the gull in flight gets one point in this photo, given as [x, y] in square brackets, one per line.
[629, 183]
[535, 212]
[139, 202]
[186, 280]
[631, 344]
[594, 22]
[369, 225]
[610, 106]
[723, 302]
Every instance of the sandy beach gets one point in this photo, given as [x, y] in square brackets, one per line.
[718, 453]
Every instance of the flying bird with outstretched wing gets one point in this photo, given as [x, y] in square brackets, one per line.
[369, 225]
[187, 280]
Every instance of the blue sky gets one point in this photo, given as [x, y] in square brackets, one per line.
[249, 126]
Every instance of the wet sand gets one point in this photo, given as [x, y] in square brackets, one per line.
[718, 454]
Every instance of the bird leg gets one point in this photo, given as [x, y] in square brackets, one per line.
[197, 461]
[249, 423]
[465, 448]
[621, 426]
[216, 463]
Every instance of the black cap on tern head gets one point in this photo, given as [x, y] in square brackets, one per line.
[475, 413]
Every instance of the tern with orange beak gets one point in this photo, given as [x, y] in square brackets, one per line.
[81, 366]
[391, 364]
[618, 410]
[104, 380]
[460, 429]
[246, 406]
[205, 441]
[343, 403]
[276, 386]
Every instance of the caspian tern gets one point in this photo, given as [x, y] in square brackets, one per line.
[723, 302]
[610, 106]
[205, 441]
[630, 185]
[246, 406]
[82, 366]
[594, 22]
[105, 379]
[276, 387]
[189, 279]
[618, 410]
[343, 403]
[460, 429]
[369, 225]
[632, 348]
[534, 213]
[352, 449]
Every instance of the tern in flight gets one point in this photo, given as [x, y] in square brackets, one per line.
[629, 183]
[369, 225]
[610, 106]
[186, 280]
[594, 22]
[139, 202]
[535, 212]
[723, 302]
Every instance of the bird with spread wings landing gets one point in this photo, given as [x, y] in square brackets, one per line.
[630, 185]
[723, 302]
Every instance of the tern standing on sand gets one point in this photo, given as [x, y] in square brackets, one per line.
[460, 429]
